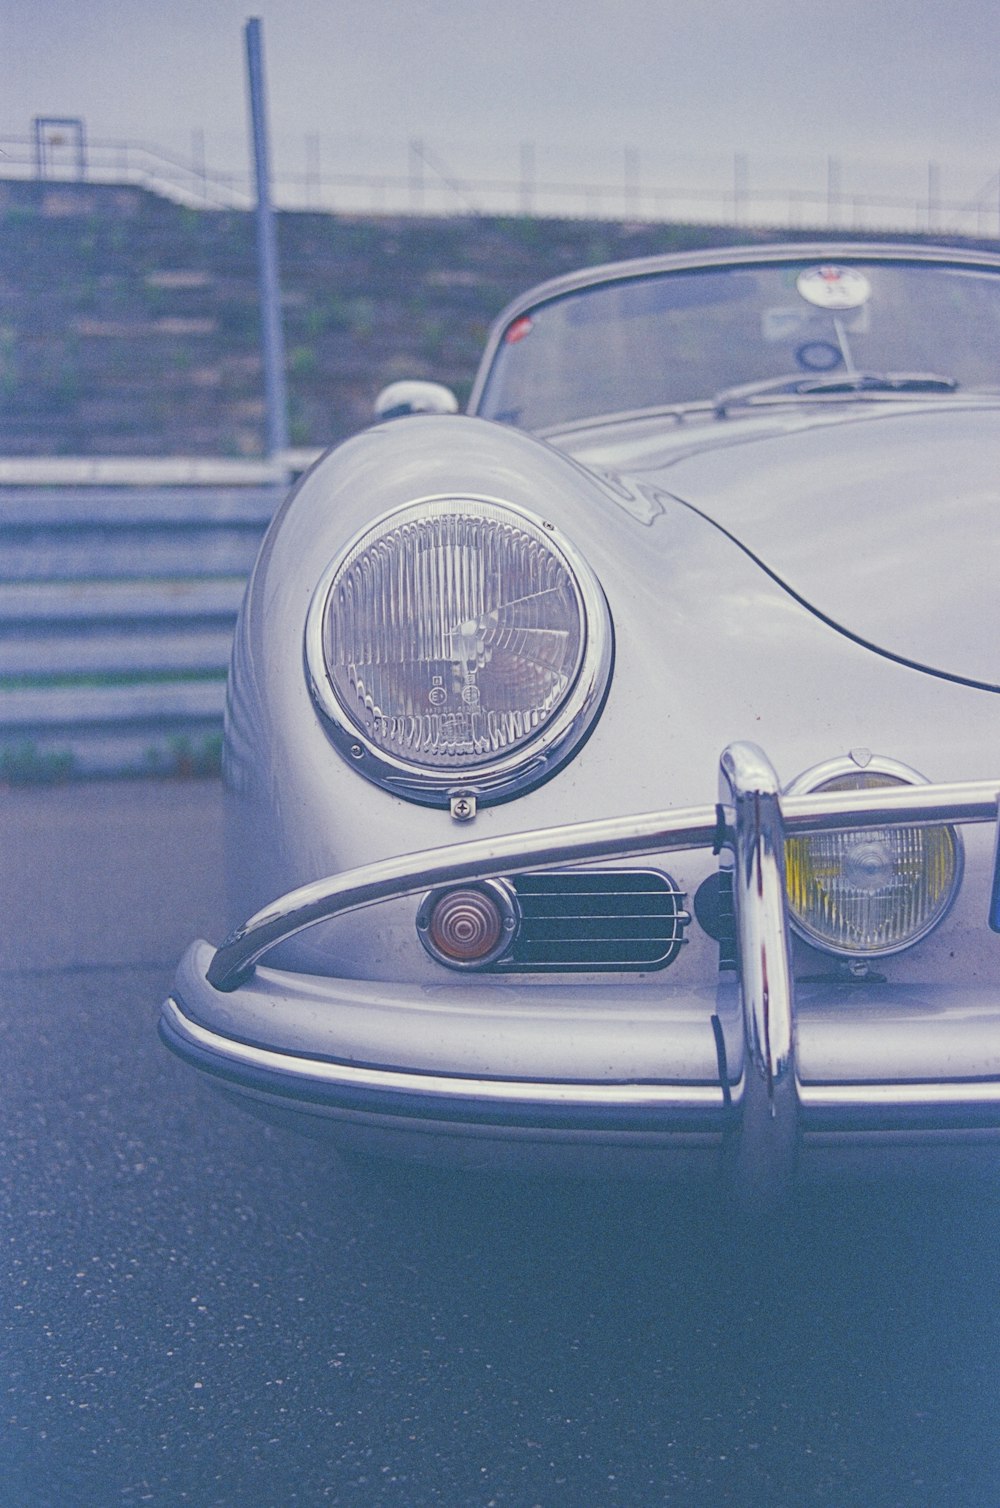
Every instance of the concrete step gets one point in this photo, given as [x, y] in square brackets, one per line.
[47, 652]
[64, 731]
[82, 506]
[117, 608]
[196, 600]
[31, 709]
[153, 552]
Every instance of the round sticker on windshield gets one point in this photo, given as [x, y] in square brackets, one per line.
[834, 287]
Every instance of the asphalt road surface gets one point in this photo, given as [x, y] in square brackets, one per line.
[197, 1309]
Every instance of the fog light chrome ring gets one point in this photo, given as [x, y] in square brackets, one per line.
[469, 926]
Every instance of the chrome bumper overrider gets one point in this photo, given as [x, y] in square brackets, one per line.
[761, 1115]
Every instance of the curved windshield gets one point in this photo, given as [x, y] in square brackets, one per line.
[663, 339]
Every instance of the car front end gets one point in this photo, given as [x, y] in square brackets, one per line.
[621, 800]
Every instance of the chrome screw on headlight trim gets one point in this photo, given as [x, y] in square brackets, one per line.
[869, 892]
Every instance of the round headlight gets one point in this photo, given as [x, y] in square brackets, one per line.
[875, 890]
[457, 644]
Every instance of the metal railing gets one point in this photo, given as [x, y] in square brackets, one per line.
[415, 178]
[137, 164]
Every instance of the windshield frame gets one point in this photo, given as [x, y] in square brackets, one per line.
[742, 257]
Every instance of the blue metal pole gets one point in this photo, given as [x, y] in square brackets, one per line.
[272, 336]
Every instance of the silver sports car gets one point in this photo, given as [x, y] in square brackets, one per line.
[612, 770]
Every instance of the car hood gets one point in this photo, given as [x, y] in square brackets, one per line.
[881, 520]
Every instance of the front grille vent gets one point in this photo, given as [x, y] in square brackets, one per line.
[596, 920]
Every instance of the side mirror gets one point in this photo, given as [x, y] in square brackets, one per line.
[413, 397]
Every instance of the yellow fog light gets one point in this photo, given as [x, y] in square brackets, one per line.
[873, 890]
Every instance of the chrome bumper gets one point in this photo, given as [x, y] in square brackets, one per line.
[420, 1095]
[761, 1114]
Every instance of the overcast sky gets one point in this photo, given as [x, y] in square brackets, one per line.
[893, 81]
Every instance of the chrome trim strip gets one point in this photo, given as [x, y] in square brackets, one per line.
[924, 805]
[617, 837]
[441, 1088]
[900, 1096]
[485, 858]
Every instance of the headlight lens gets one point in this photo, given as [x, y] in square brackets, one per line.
[872, 891]
[454, 641]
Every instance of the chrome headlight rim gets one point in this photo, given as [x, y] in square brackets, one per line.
[816, 778]
[530, 764]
